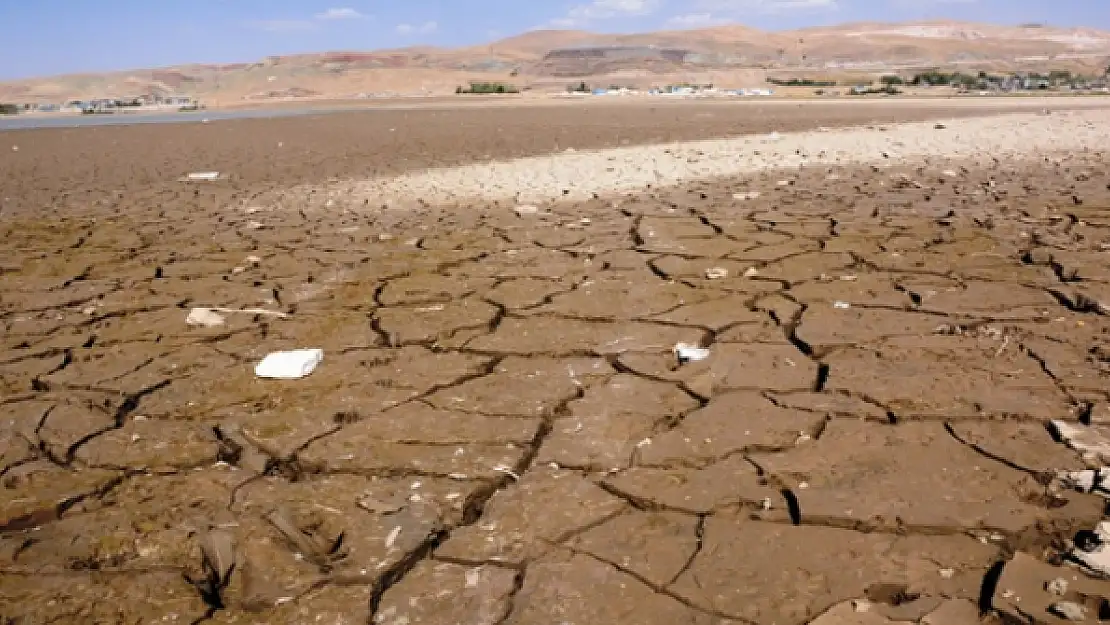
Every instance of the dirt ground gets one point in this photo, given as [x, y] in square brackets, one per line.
[500, 430]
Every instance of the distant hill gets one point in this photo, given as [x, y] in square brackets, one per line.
[549, 59]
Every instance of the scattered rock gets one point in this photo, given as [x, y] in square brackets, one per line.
[716, 273]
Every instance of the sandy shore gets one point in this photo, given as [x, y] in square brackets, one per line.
[575, 175]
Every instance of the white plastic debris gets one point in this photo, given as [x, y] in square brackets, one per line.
[392, 537]
[1068, 610]
[842, 305]
[290, 365]
[1097, 560]
[1092, 442]
[1058, 587]
[204, 317]
[473, 577]
[526, 209]
[746, 195]
[203, 176]
[716, 273]
[507, 471]
[1088, 481]
[690, 353]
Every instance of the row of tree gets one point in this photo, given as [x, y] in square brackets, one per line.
[934, 77]
[487, 87]
[939, 78]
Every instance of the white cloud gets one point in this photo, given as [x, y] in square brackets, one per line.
[739, 7]
[283, 26]
[303, 24]
[695, 20]
[341, 13]
[585, 14]
[418, 29]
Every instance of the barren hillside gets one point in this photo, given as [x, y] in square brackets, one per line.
[546, 59]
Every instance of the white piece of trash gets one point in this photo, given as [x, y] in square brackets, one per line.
[205, 317]
[1097, 560]
[690, 353]
[204, 176]
[290, 365]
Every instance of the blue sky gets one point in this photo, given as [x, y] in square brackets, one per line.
[62, 36]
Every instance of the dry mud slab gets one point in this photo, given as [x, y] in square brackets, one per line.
[500, 431]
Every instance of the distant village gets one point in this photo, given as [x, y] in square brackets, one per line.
[107, 105]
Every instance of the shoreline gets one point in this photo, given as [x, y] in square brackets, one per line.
[581, 175]
[329, 106]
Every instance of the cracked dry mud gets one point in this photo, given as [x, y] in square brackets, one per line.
[500, 432]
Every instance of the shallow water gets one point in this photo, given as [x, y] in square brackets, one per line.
[77, 120]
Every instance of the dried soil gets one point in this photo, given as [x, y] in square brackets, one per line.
[500, 432]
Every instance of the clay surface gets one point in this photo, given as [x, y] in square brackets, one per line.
[500, 431]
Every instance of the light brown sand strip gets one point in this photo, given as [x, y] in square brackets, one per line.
[580, 175]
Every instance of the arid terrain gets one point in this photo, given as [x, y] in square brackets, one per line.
[699, 364]
[732, 56]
